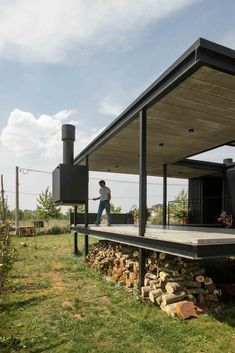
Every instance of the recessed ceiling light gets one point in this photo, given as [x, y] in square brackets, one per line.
[190, 131]
[161, 144]
[116, 166]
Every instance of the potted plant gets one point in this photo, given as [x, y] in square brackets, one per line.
[225, 219]
[182, 213]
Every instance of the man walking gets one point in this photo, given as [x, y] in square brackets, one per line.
[105, 197]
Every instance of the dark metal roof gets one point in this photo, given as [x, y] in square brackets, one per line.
[201, 53]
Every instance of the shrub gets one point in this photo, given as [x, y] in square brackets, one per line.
[7, 252]
[58, 230]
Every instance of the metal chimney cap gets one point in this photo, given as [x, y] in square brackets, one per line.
[227, 161]
[68, 132]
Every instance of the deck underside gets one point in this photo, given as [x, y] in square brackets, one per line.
[190, 242]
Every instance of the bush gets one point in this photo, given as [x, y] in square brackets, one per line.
[58, 230]
[7, 252]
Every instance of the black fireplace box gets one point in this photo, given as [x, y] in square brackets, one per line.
[70, 184]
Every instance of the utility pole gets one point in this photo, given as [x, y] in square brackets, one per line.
[3, 200]
[17, 201]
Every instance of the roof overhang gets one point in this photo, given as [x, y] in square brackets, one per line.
[190, 110]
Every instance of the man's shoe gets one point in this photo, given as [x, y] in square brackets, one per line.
[97, 224]
[109, 224]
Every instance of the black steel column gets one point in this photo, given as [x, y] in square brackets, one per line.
[75, 233]
[164, 205]
[86, 239]
[142, 189]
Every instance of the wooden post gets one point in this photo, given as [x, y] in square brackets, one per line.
[86, 239]
[3, 200]
[142, 189]
[17, 219]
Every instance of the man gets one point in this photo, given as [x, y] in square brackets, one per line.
[105, 197]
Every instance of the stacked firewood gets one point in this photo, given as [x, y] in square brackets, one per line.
[117, 261]
[177, 285]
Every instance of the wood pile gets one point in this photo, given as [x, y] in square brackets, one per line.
[117, 261]
[178, 285]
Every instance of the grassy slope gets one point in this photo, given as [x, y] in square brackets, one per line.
[57, 304]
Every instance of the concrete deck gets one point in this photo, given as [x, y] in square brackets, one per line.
[179, 234]
[190, 242]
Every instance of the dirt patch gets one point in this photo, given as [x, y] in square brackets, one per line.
[78, 316]
[55, 277]
[67, 304]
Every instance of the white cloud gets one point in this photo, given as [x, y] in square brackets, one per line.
[39, 137]
[47, 31]
[108, 108]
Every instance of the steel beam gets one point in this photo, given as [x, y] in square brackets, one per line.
[75, 235]
[142, 189]
[190, 251]
[201, 165]
[164, 204]
[142, 171]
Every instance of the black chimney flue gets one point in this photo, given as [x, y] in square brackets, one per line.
[68, 138]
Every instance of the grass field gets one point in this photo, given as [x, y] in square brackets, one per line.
[56, 303]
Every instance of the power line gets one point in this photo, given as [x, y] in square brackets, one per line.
[23, 193]
[26, 170]
[137, 182]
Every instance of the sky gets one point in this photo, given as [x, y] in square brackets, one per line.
[83, 62]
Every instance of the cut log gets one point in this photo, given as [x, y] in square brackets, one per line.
[145, 291]
[196, 290]
[152, 267]
[201, 299]
[151, 276]
[193, 284]
[173, 298]
[208, 280]
[211, 297]
[217, 291]
[154, 283]
[135, 253]
[154, 294]
[146, 282]
[176, 279]
[199, 278]
[163, 275]
[159, 300]
[172, 287]
[186, 309]
[163, 306]
[200, 271]
[162, 255]
[210, 288]
[170, 309]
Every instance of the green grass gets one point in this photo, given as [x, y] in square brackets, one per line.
[56, 303]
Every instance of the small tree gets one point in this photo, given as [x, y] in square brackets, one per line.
[156, 214]
[115, 209]
[7, 253]
[179, 207]
[4, 212]
[46, 209]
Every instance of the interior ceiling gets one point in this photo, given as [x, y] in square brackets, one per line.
[204, 102]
